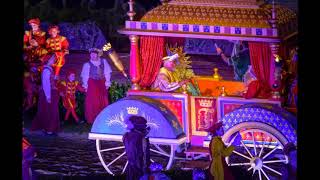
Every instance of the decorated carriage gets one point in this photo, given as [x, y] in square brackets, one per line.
[258, 128]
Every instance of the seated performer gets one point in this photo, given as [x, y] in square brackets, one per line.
[165, 80]
[59, 45]
[95, 76]
[67, 91]
[34, 43]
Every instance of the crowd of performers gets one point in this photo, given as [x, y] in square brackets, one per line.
[43, 88]
[44, 57]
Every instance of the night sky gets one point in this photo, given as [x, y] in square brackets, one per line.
[148, 4]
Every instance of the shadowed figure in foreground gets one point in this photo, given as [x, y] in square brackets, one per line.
[137, 147]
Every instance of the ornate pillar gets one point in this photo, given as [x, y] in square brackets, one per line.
[276, 58]
[134, 62]
[277, 70]
[131, 13]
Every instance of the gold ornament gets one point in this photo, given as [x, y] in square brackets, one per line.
[216, 76]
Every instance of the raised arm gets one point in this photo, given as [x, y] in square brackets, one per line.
[46, 84]
[107, 73]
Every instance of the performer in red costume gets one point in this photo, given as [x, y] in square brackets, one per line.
[47, 117]
[34, 42]
[67, 91]
[59, 45]
[96, 80]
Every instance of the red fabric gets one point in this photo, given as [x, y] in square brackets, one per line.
[35, 21]
[257, 90]
[151, 51]
[262, 62]
[96, 99]
[172, 41]
[47, 117]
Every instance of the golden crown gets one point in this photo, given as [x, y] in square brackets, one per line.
[205, 103]
[132, 110]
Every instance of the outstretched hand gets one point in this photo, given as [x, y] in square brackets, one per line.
[219, 50]
[184, 82]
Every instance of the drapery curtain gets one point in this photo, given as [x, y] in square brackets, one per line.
[172, 41]
[152, 50]
[261, 59]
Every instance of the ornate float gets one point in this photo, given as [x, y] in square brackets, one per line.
[259, 128]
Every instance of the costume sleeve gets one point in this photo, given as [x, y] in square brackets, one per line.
[107, 73]
[64, 44]
[85, 75]
[61, 86]
[46, 83]
[47, 45]
[80, 88]
[227, 151]
[165, 85]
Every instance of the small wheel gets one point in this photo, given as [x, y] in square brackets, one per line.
[258, 148]
[113, 159]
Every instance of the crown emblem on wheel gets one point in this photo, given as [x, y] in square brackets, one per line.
[205, 103]
[132, 110]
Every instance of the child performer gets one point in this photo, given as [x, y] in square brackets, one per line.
[67, 91]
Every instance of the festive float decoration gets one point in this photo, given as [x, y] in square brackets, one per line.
[256, 137]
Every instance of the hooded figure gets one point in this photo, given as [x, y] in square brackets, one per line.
[137, 147]
[218, 169]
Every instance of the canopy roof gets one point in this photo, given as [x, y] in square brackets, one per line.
[236, 19]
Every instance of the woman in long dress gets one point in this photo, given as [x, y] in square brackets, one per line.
[96, 81]
[47, 117]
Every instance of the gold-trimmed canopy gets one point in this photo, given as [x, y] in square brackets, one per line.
[203, 12]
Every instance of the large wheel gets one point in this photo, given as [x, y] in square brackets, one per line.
[258, 149]
[113, 156]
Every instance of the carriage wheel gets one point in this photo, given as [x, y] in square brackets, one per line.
[164, 154]
[258, 148]
[114, 159]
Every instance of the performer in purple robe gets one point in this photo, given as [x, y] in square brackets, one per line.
[47, 117]
[137, 148]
